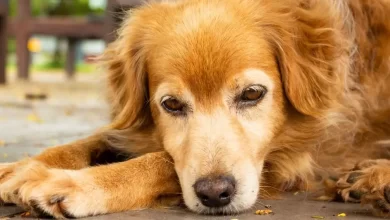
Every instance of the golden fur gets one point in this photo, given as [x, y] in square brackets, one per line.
[326, 64]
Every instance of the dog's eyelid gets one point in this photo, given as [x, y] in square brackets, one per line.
[165, 98]
[255, 86]
[179, 108]
[242, 102]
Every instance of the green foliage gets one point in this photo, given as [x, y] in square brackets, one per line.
[11, 45]
[53, 64]
[57, 8]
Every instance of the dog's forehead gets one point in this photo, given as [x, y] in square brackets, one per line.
[207, 62]
[206, 51]
[205, 70]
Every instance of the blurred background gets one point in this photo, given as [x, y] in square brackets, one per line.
[51, 91]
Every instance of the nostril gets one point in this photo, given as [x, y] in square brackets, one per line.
[224, 195]
[204, 197]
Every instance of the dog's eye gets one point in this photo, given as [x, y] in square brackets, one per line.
[172, 105]
[253, 93]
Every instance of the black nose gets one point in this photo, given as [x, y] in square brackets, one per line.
[215, 191]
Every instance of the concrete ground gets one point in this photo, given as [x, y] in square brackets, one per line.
[75, 109]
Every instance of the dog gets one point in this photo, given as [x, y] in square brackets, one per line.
[218, 102]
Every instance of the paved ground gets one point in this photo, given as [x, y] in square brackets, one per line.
[76, 109]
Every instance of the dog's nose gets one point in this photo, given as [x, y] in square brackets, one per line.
[215, 192]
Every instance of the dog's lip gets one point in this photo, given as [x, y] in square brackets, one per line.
[230, 209]
[226, 210]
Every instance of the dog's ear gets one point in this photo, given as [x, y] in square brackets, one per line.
[132, 129]
[125, 61]
[312, 49]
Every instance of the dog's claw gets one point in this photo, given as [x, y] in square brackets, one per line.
[56, 199]
[353, 177]
[381, 205]
[37, 210]
[387, 193]
[369, 185]
[357, 195]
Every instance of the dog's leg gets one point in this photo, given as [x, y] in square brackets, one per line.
[78, 155]
[138, 183]
[368, 183]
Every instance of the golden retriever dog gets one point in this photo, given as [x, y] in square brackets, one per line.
[218, 102]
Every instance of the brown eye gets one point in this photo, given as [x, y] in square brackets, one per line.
[253, 93]
[172, 105]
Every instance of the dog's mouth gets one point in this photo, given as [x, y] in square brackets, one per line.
[235, 207]
[229, 210]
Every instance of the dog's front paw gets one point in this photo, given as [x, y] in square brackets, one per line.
[368, 183]
[7, 173]
[51, 192]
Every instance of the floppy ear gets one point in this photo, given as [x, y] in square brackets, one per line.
[124, 59]
[312, 44]
[132, 129]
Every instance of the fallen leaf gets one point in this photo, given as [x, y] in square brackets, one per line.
[25, 214]
[296, 193]
[318, 217]
[341, 215]
[2, 143]
[324, 198]
[35, 96]
[69, 111]
[264, 212]
[34, 118]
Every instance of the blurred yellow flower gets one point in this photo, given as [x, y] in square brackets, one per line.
[34, 45]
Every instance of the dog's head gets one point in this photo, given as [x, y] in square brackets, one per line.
[217, 80]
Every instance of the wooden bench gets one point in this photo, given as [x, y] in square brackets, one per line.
[3, 39]
[73, 29]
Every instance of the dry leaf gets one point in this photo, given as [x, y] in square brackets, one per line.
[25, 214]
[263, 212]
[341, 215]
[35, 96]
[34, 118]
[69, 111]
[2, 143]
